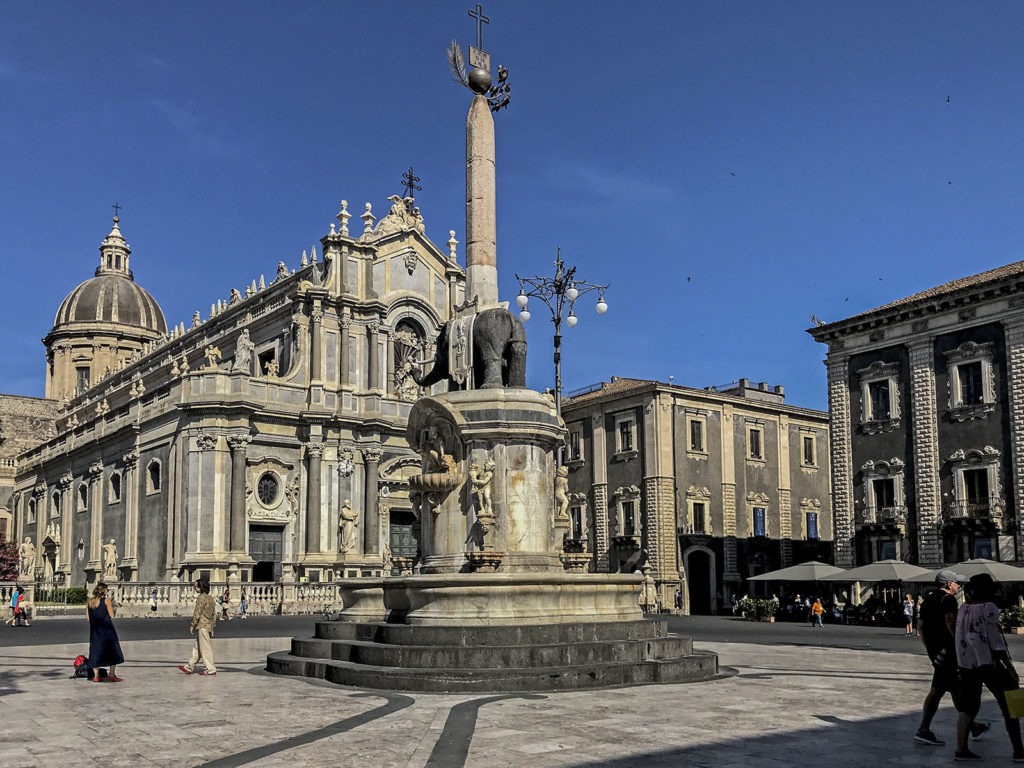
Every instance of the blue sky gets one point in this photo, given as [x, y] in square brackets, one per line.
[729, 167]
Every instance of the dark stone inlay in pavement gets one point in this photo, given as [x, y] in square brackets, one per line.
[395, 702]
[453, 744]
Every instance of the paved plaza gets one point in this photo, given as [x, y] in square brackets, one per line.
[786, 704]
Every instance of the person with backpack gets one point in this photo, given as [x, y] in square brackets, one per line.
[104, 647]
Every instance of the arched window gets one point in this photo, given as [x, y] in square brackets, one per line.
[83, 498]
[153, 477]
[31, 511]
[115, 487]
[55, 504]
[407, 348]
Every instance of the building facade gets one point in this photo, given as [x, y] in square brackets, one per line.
[925, 408]
[265, 443]
[716, 484]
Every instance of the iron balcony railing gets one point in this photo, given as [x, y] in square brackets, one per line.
[965, 509]
[893, 515]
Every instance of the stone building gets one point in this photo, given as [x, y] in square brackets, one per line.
[716, 484]
[24, 422]
[926, 397]
[264, 443]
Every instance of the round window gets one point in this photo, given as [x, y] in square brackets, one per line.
[267, 488]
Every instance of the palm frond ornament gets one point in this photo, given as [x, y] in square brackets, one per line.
[457, 63]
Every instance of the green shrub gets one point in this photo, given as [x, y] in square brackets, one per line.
[75, 595]
[1011, 617]
[757, 608]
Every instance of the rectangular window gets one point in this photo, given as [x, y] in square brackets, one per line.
[81, 379]
[576, 515]
[810, 459]
[697, 435]
[976, 485]
[754, 449]
[879, 406]
[699, 517]
[760, 528]
[982, 549]
[887, 550]
[885, 492]
[3, 530]
[268, 362]
[972, 389]
[628, 524]
[575, 446]
[625, 436]
[812, 525]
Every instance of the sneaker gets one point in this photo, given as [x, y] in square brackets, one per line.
[1018, 757]
[185, 669]
[927, 737]
[207, 674]
[979, 729]
[965, 756]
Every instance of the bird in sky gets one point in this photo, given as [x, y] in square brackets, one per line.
[687, 279]
[731, 173]
[947, 99]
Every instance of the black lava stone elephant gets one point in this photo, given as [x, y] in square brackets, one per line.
[499, 352]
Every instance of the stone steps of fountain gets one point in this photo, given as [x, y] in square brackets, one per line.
[698, 665]
[495, 635]
[491, 656]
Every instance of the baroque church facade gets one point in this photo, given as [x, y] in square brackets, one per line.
[265, 443]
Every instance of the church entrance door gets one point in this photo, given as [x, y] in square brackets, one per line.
[699, 576]
[266, 547]
[401, 537]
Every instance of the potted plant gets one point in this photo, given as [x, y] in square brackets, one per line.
[1012, 619]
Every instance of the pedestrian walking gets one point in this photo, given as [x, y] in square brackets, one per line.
[104, 647]
[677, 600]
[203, 619]
[917, 615]
[817, 613]
[909, 609]
[14, 605]
[225, 604]
[152, 603]
[938, 630]
[21, 608]
[984, 659]
[243, 605]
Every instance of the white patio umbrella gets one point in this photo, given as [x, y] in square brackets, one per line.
[883, 570]
[809, 571]
[997, 570]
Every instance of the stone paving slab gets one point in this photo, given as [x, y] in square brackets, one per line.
[788, 706]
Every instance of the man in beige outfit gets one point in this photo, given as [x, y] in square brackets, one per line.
[203, 618]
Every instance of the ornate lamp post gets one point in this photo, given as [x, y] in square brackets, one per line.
[559, 293]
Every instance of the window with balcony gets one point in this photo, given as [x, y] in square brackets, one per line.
[972, 386]
[627, 517]
[884, 494]
[880, 397]
[576, 516]
[977, 485]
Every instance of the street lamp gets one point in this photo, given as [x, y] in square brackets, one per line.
[559, 293]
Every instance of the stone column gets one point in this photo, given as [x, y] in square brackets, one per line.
[64, 526]
[924, 423]
[95, 562]
[1015, 386]
[840, 430]
[130, 491]
[371, 516]
[374, 355]
[314, 451]
[481, 237]
[236, 527]
[316, 318]
[343, 372]
[599, 491]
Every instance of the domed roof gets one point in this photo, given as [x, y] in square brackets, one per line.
[112, 296]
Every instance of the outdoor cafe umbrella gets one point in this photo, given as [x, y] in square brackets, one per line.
[997, 570]
[883, 570]
[809, 571]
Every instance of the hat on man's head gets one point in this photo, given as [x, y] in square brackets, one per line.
[947, 575]
[982, 581]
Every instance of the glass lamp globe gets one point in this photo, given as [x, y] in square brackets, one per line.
[524, 315]
[521, 299]
[602, 306]
[572, 319]
[572, 293]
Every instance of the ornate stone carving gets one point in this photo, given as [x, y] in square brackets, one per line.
[316, 316]
[110, 560]
[65, 481]
[130, 459]
[206, 441]
[212, 355]
[481, 482]
[39, 491]
[373, 328]
[53, 533]
[314, 450]
[243, 353]
[372, 455]
[95, 471]
[437, 444]
[348, 524]
[402, 217]
[345, 464]
[695, 492]
[411, 260]
[27, 556]
[562, 493]
[184, 365]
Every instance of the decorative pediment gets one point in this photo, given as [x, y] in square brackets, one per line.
[758, 498]
[986, 455]
[879, 370]
[969, 350]
[626, 492]
[693, 492]
[400, 468]
[883, 468]
[810, 504]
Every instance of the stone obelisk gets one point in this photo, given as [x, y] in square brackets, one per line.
[481, 235]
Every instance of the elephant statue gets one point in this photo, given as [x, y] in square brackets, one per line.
[498, 342]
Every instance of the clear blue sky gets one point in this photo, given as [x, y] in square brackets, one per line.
[230, 131]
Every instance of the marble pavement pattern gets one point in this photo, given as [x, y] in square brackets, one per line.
[787, 706]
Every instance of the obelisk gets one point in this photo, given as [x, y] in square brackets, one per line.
[481, 233]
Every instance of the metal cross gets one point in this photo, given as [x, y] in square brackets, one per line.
[117, 207]
[478, 14]
[409, 182]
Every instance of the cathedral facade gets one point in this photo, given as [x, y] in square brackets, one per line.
[265, 443]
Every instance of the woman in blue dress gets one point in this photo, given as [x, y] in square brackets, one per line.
[104, 648]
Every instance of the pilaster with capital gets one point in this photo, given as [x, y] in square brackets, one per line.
[371, 516]
[601, 544]
[373, 343]
[841, 447]
[343, 363]
[130, 490]
[239, 445]
[96, 517]
[316, 317]
[1015, 387]
[924, 422]
[314, 453]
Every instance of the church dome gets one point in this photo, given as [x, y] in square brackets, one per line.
[112, 296]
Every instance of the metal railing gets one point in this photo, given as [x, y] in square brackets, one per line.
[893, 515]
[963, 509]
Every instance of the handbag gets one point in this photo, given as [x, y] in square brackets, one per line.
[1015, 702]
